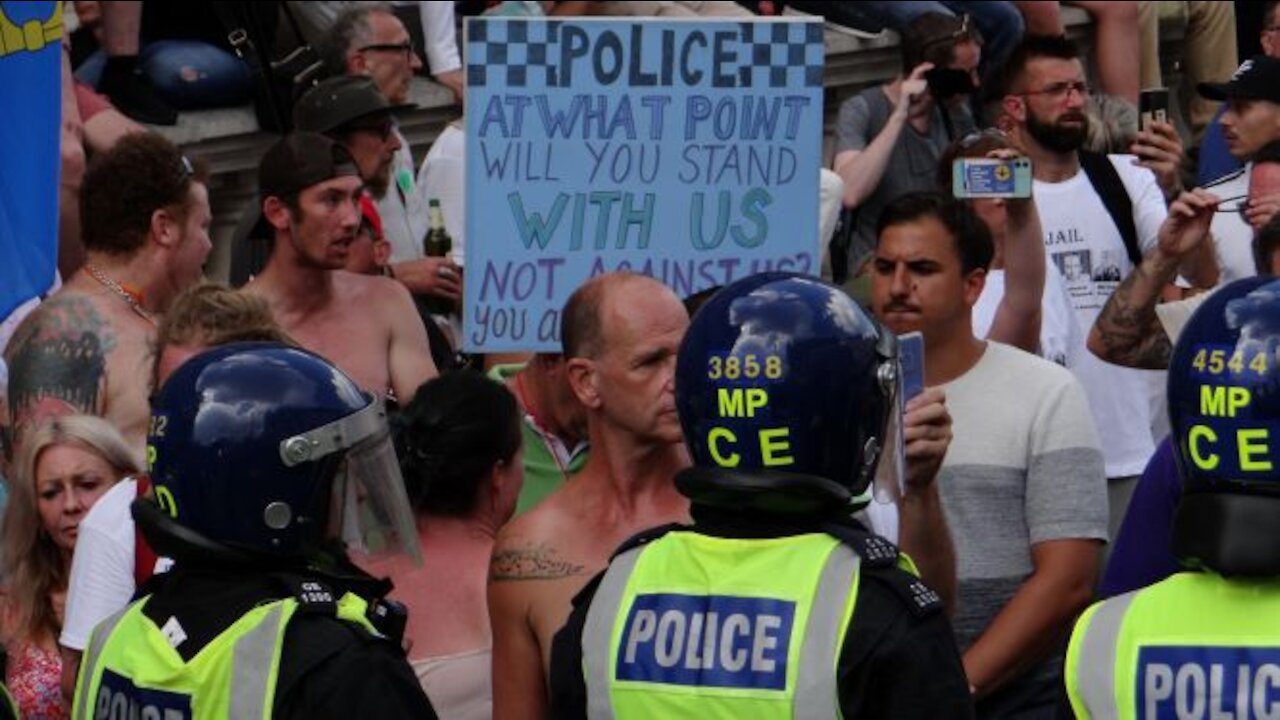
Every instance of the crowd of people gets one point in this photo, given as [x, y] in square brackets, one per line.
[304, 453]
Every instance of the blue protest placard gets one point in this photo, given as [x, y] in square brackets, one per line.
[685, 150]
[30, 57]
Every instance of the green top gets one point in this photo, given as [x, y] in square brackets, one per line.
[542, 472]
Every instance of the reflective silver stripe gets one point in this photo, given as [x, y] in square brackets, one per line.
[92, 656]
[1096, 665]
[251, 667]
[816, 694]
[598, 630]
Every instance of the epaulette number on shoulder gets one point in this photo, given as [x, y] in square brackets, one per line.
[312, 595]
[919, 598]
[876, 551]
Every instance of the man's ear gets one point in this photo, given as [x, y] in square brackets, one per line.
[581, 374]
[165, 227]
[356, 64]
[1015, 106]
[974, 282]
[276, 212]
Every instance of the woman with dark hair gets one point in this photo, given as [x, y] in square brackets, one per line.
[459, 448]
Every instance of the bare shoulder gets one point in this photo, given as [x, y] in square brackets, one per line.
[527, 548]
[374, 296]
[372, 287]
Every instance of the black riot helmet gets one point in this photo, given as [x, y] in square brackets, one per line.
[785, 388]
[1224, 408]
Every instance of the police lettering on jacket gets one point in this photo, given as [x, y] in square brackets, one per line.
[1208, 683]
[707, 640]
[119, 699]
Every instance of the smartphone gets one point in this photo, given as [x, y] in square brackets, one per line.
[1153, 105]
[911, 359]
[891, 484]
[991, 178]
[948, 82]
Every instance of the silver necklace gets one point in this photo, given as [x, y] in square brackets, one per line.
[114, 287]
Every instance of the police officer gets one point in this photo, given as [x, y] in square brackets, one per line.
[1205, 643]
[775, 602]
[263, 459]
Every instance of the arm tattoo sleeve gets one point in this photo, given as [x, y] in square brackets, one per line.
[1130, 331]
[538, 562]
[59, 355]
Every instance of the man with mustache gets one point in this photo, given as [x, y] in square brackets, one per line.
[1022, 481]
[367, 326]
[1045, 94]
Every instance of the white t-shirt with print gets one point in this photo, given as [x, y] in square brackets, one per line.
[1085, 246]
[1061, 339]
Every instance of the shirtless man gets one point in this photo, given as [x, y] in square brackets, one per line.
[145, 212]
[367, 326]
[620, 334]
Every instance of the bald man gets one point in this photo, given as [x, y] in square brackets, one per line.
[620, 334]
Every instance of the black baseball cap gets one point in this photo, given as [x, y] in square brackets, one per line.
[1257, 78]
[338, 101]
[302, 159]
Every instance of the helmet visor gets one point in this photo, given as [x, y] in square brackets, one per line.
[891, 472]
[369, 508]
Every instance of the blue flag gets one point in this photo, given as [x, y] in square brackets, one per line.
[30, 128]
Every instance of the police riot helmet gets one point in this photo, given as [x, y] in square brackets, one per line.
[1224, 408]
[785, 388]
[269, 448]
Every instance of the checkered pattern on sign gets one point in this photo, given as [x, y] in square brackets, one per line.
[514, 53]
[781, 55]
[512, 50]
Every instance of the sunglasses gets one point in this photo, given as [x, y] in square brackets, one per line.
[185, 172]
[1236, 204]
[405, 47]
[381, 129]
[185, 169]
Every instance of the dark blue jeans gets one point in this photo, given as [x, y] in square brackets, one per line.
[188, 74]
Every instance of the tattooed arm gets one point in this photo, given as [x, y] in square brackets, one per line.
[520, 576]
[535, 562]
[57, 363]
[1127, 331]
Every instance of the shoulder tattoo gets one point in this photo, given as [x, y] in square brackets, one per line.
[536, 562]
[59, 353]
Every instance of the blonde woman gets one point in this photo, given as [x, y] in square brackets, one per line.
[66, 464]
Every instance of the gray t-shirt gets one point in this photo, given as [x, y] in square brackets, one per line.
[912, 166]
[1023, 468]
